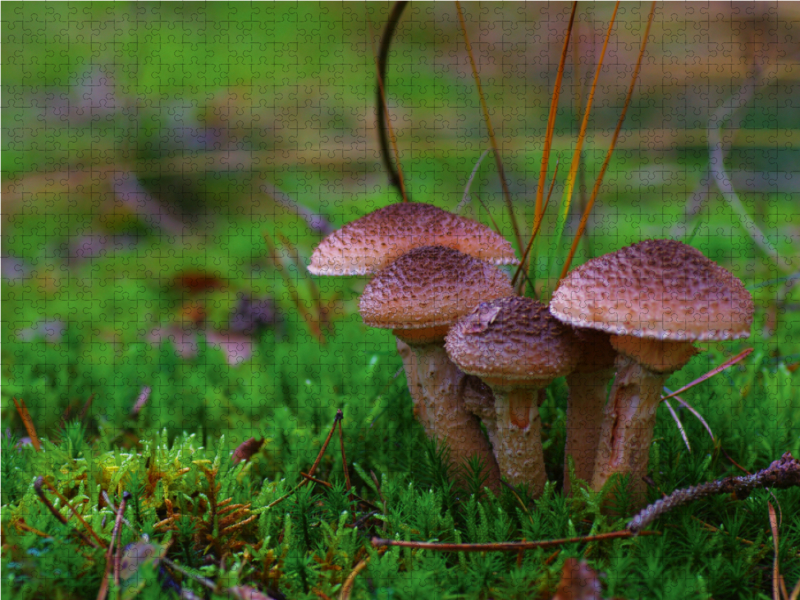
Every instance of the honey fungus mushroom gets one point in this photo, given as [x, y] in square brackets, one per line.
[368, 244]
[420, 296]
[517, 348]
[655, 298]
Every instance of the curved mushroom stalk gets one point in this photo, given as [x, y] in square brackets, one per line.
[643, 367]
[519, 437]
[627, 430]
[479, 400]
[585, 409]
[435, 384]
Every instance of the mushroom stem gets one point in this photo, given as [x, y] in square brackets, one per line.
[519, 438]
[436, 387]
[479, 400]
[627, 430]
[587, 399]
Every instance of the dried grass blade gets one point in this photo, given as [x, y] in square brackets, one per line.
[22, 410]
[490, 129]
[776, 570]
[692, 410]
[680, 426]
[381, 59]
[465, 197]
[313, 326]
[599, 181]
[566, 199]
[728, 363]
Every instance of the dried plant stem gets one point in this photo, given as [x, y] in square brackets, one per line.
[551, 117]
[782, 473]
[382, 108]
[599, 181]
[490, 129]
[22, 410]
[507, 546]
[337, 418]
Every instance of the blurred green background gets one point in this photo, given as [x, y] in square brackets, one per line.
[149, 148]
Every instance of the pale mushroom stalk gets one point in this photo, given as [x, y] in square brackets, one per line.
[439, 406]
[587, 400]
[643, 367]
[588, 386]
[420, 296]
[479, 400]
[519, 436]
[656, 297]
[517, 348]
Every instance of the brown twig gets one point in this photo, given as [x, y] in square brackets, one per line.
[506, 546]
[489, 128]
[37, 487]
[313, 468]
[728, 363]
[599, 181]
[782, 473]
[313, 326]
[382, 108]
[103, 592]
[22, 410]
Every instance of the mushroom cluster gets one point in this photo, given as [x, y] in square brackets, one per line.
[474, 352]
[654, 298]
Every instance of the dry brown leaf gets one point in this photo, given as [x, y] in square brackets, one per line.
[578, 582]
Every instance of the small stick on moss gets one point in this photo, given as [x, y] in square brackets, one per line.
[782, 473]
[103, 592]
[507, 546]
[28, 423]
[37, 487]
[313, 468]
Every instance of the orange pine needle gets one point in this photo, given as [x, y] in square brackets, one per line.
[599, 181]
[313, 326]
[490, 129]
[548, 137]
[22, 410]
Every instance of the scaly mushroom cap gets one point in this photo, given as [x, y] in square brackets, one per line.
[660, 289]
[429, 288]
[370, 243]
[513, 341]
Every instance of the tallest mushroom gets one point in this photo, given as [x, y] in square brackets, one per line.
[655, 298]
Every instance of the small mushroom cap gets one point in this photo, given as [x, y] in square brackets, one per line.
[370, 243]
[513, 341]
[430, 287]
[660, 289]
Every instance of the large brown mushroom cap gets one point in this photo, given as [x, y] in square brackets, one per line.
[513, 339]
[370, 243]
[659, 289]
[430, 287]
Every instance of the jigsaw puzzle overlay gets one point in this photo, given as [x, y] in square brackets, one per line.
[284, 284]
